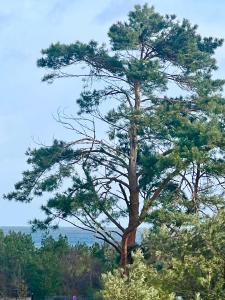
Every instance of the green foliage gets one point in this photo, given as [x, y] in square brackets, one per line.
[169, 39]
[44, 275]
[186, 262]
[16, 251]
[135, 283]
[190, 259]
[60, 55]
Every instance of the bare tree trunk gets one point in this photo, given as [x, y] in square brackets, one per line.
[129, 236]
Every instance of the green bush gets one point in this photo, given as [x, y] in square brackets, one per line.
[137, 282]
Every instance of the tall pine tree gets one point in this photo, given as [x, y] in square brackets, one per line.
[159, 150]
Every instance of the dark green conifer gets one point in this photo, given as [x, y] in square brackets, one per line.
[163, 155]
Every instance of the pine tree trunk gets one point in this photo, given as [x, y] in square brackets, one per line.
[129, 236]
[128, 240]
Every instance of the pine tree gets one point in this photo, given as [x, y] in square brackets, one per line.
[159, 150]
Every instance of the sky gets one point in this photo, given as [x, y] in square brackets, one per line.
[28, 105]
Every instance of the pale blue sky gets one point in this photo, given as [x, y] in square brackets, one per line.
[27, 105]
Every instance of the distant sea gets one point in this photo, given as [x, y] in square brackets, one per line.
[73, 235]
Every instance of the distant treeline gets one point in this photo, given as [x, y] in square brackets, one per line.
[56, 268]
